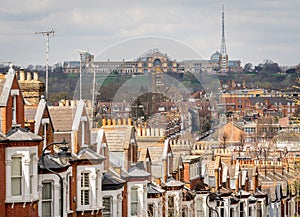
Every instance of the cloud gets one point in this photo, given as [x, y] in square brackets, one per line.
[255, 30]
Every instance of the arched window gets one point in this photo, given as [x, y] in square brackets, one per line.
[157, 63]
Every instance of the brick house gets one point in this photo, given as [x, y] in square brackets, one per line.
[11, 102]
[21, 174]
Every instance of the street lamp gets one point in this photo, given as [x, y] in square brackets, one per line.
[213, 196]
[64, 157]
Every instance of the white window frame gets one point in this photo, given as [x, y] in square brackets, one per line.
[110, 213]
[45, 123]
[83, 119]
[85, 188]
[132, 211]
[31, 174]
[92, 170]
[28, 155]
[14, 93]
[18, 177]
[43, 200]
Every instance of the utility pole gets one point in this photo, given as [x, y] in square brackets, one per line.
[81, 53]
[94, 94]
[48, 34]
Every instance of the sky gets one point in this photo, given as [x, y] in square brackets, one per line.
[254, 30]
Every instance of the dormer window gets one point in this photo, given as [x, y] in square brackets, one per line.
[83, 119]
[14, 94]
[45, 123]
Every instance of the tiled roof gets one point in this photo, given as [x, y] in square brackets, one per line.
[62, 117]
[118, 137]
[29, 112]
[155, 151]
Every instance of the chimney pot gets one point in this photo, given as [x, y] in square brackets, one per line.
[35, 76]
[28, 76]
[103, 122]
[22, 75]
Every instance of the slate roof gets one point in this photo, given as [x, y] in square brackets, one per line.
[111, 182]
[137, 172]
[86, 153]
[171, 182]
[21, 134]
[51, 162]
[154, 189]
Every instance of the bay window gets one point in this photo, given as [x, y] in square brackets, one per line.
[16, 176]
[85, 188]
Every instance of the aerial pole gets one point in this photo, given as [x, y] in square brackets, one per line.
[223, 51]
[48, 34]
[93, 95]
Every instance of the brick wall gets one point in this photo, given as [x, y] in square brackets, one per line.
[2, 179]
[18, 209]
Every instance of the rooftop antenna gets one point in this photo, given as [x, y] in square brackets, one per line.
[48, 34]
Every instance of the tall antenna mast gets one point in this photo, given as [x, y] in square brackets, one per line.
[48, 34]
[223, 43]
[224, 56]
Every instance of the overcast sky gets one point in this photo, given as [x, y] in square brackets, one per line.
[255, 30]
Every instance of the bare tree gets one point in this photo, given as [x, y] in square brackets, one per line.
[242, 139]
[224, 138]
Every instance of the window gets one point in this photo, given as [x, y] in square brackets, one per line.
[14, 94]
[184, 211]
[134, 201]
[150, 210]
[85, 188]
[171, 206]
[31, 174]
[231, 214]
[97, 187]
[14, 109]
[107, 210]
[199, 207]
[16, 176]
[241, 209]
[47, 199]
[83, 119]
